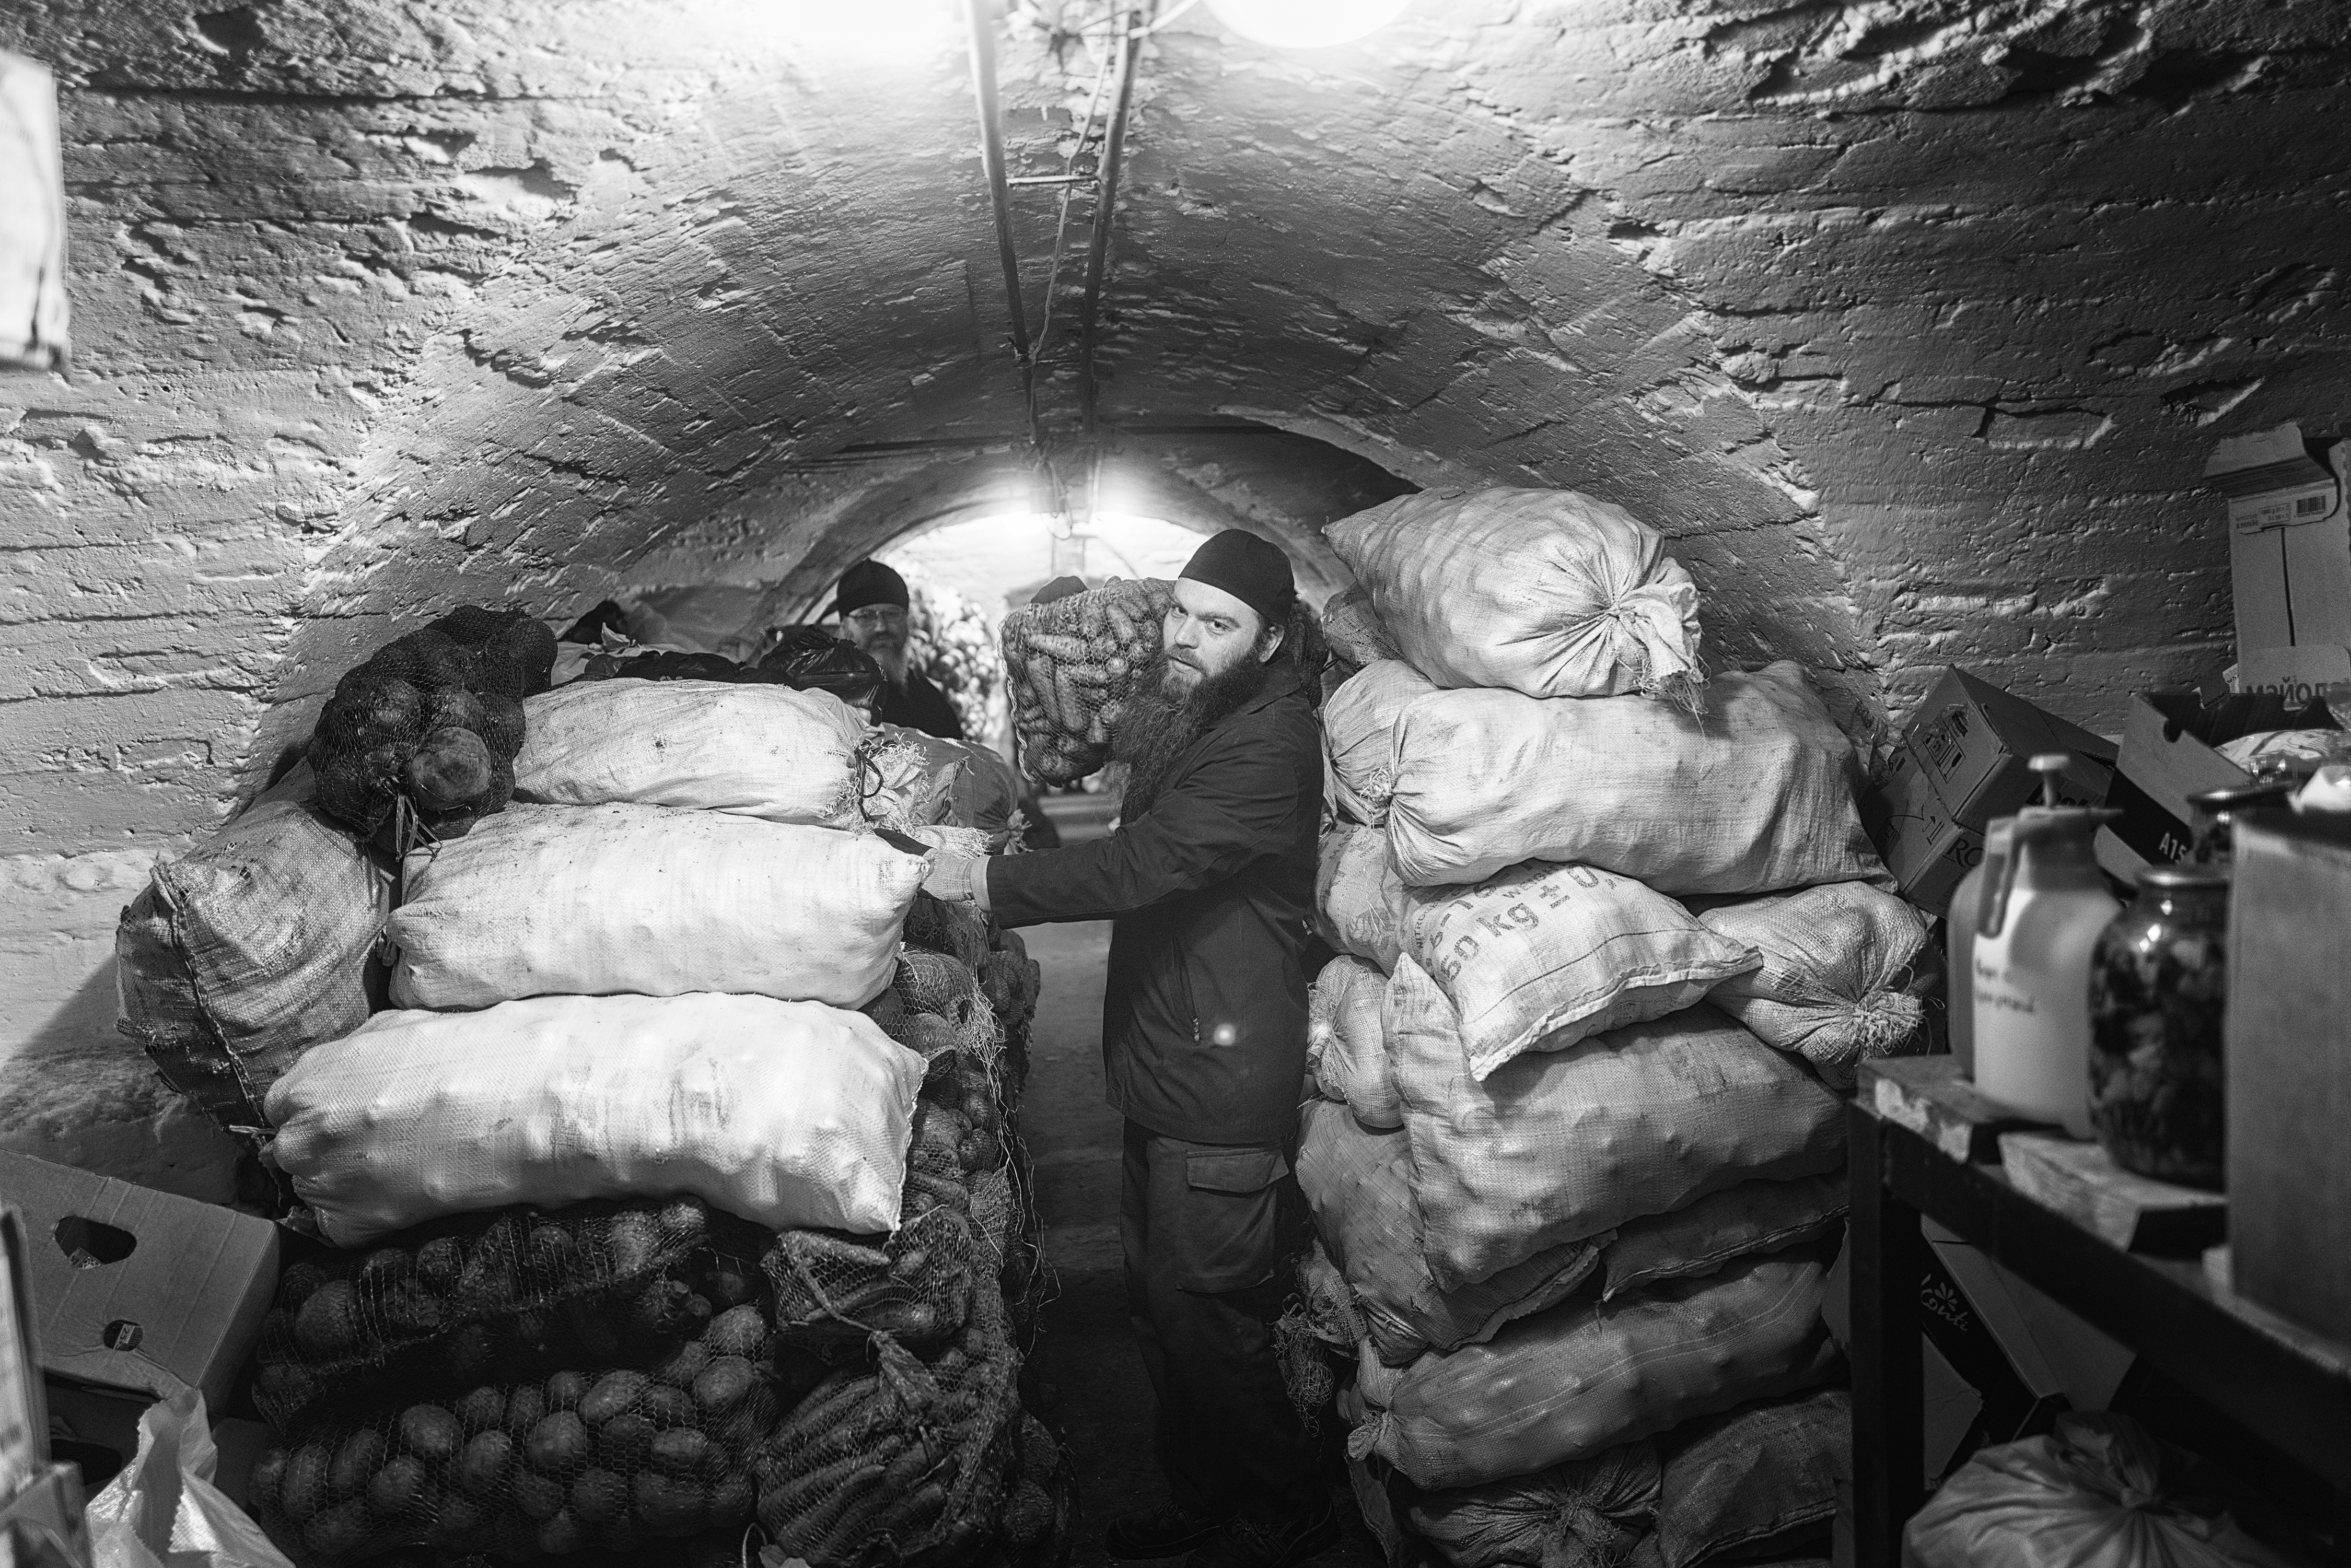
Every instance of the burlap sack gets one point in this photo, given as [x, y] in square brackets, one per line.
[1345, 1046]
[1840, 964]
[1359, 1184]
[1755, 1216]
[602, 900]
[1548, 592]
[788, 1113]
[1352, 629]
[1585, 1376]
[1558, 1146]
[1358, 722]
[1358, 903]
[760, 750]
[1753, 795]
[1544, 955]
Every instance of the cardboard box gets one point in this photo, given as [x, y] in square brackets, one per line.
[2299, 674]
[2169, 753]
[137, 1292]
[2289, 537]
[1963, 761]
[2288, 1049]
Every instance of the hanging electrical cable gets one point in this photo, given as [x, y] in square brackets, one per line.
[1106, 175]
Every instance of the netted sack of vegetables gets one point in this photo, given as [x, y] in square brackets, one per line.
[1035, 1523]
[833, 1291]
[932, 985]
[1076, 663]
[421, 738]
[608, 1460]
[884, 1462]
[517, 1292]
[956, 930]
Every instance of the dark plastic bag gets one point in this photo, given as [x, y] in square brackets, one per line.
[810, 659]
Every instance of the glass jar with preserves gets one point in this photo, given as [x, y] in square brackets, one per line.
[2159, 995]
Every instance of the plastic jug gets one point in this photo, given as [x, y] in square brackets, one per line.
[2037, 926]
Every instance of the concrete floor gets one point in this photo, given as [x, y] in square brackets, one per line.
[1083, 1352]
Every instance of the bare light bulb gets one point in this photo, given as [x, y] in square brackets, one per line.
[1306, 24]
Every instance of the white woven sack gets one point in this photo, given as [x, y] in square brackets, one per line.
[1585, 1376]
[1838, 965]
[1358, 1183]
[788, 1113]
[1561, 1146]
[1754, 795]
[1358, 903]
[1544, 955]
[1548, 592]
[1344, 1044]
[1358, 732]
[1755, 1216]
[601, 900]
[759, 750]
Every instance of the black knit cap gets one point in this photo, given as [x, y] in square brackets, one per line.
[870, 582]
[1251, 569]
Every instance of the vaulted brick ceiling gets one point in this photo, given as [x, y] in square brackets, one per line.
[1911, 320]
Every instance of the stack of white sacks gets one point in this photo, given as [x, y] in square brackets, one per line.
[1612, 934]
[641, 978]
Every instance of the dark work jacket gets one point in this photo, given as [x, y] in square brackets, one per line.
[921, 705]
[1212, 892]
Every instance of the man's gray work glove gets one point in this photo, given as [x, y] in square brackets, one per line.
[958, 879]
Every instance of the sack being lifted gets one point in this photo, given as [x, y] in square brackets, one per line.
[1075, 662]
[1548, 592]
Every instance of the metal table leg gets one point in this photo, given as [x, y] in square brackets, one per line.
[1888, 1404]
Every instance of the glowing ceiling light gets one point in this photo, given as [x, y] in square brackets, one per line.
[1306, 24]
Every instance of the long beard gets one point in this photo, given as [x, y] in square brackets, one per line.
[894, 663]
[1158, 728]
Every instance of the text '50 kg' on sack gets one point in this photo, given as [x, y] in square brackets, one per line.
[1544, 955]
[786, 1114]
[1557, 1147]
[1585, 1376]
[1546, 592]
[603, 900]
[1359, 1185]
[1842, 965]
[250, 949]
[759, 750]
[1753, 795]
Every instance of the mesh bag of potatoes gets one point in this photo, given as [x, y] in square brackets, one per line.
[610, 1461]
[517, 1291]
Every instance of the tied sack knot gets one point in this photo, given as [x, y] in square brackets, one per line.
[1653, 623]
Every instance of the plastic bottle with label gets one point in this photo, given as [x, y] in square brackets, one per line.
[1960, 942]
[2036, 929]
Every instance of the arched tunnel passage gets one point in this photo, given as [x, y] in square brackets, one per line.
[865, 499]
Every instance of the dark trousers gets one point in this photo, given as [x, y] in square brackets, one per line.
[1209, 1231]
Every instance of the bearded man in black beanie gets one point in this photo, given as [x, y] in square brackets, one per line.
[1209, 882]
[876, 614]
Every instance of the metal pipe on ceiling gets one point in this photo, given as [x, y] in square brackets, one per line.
[999, 194]
[1107, 171]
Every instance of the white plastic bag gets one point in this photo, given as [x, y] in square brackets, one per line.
[1558, 1146]
[602, 900]
[1840, 963]
[1544, 955]
[162, 1509]
[1548, 592]
[788, 1113]
[760, 750]
[1345, 1044]
[2090, 1495]
[1358, 732]
[1753, 795]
